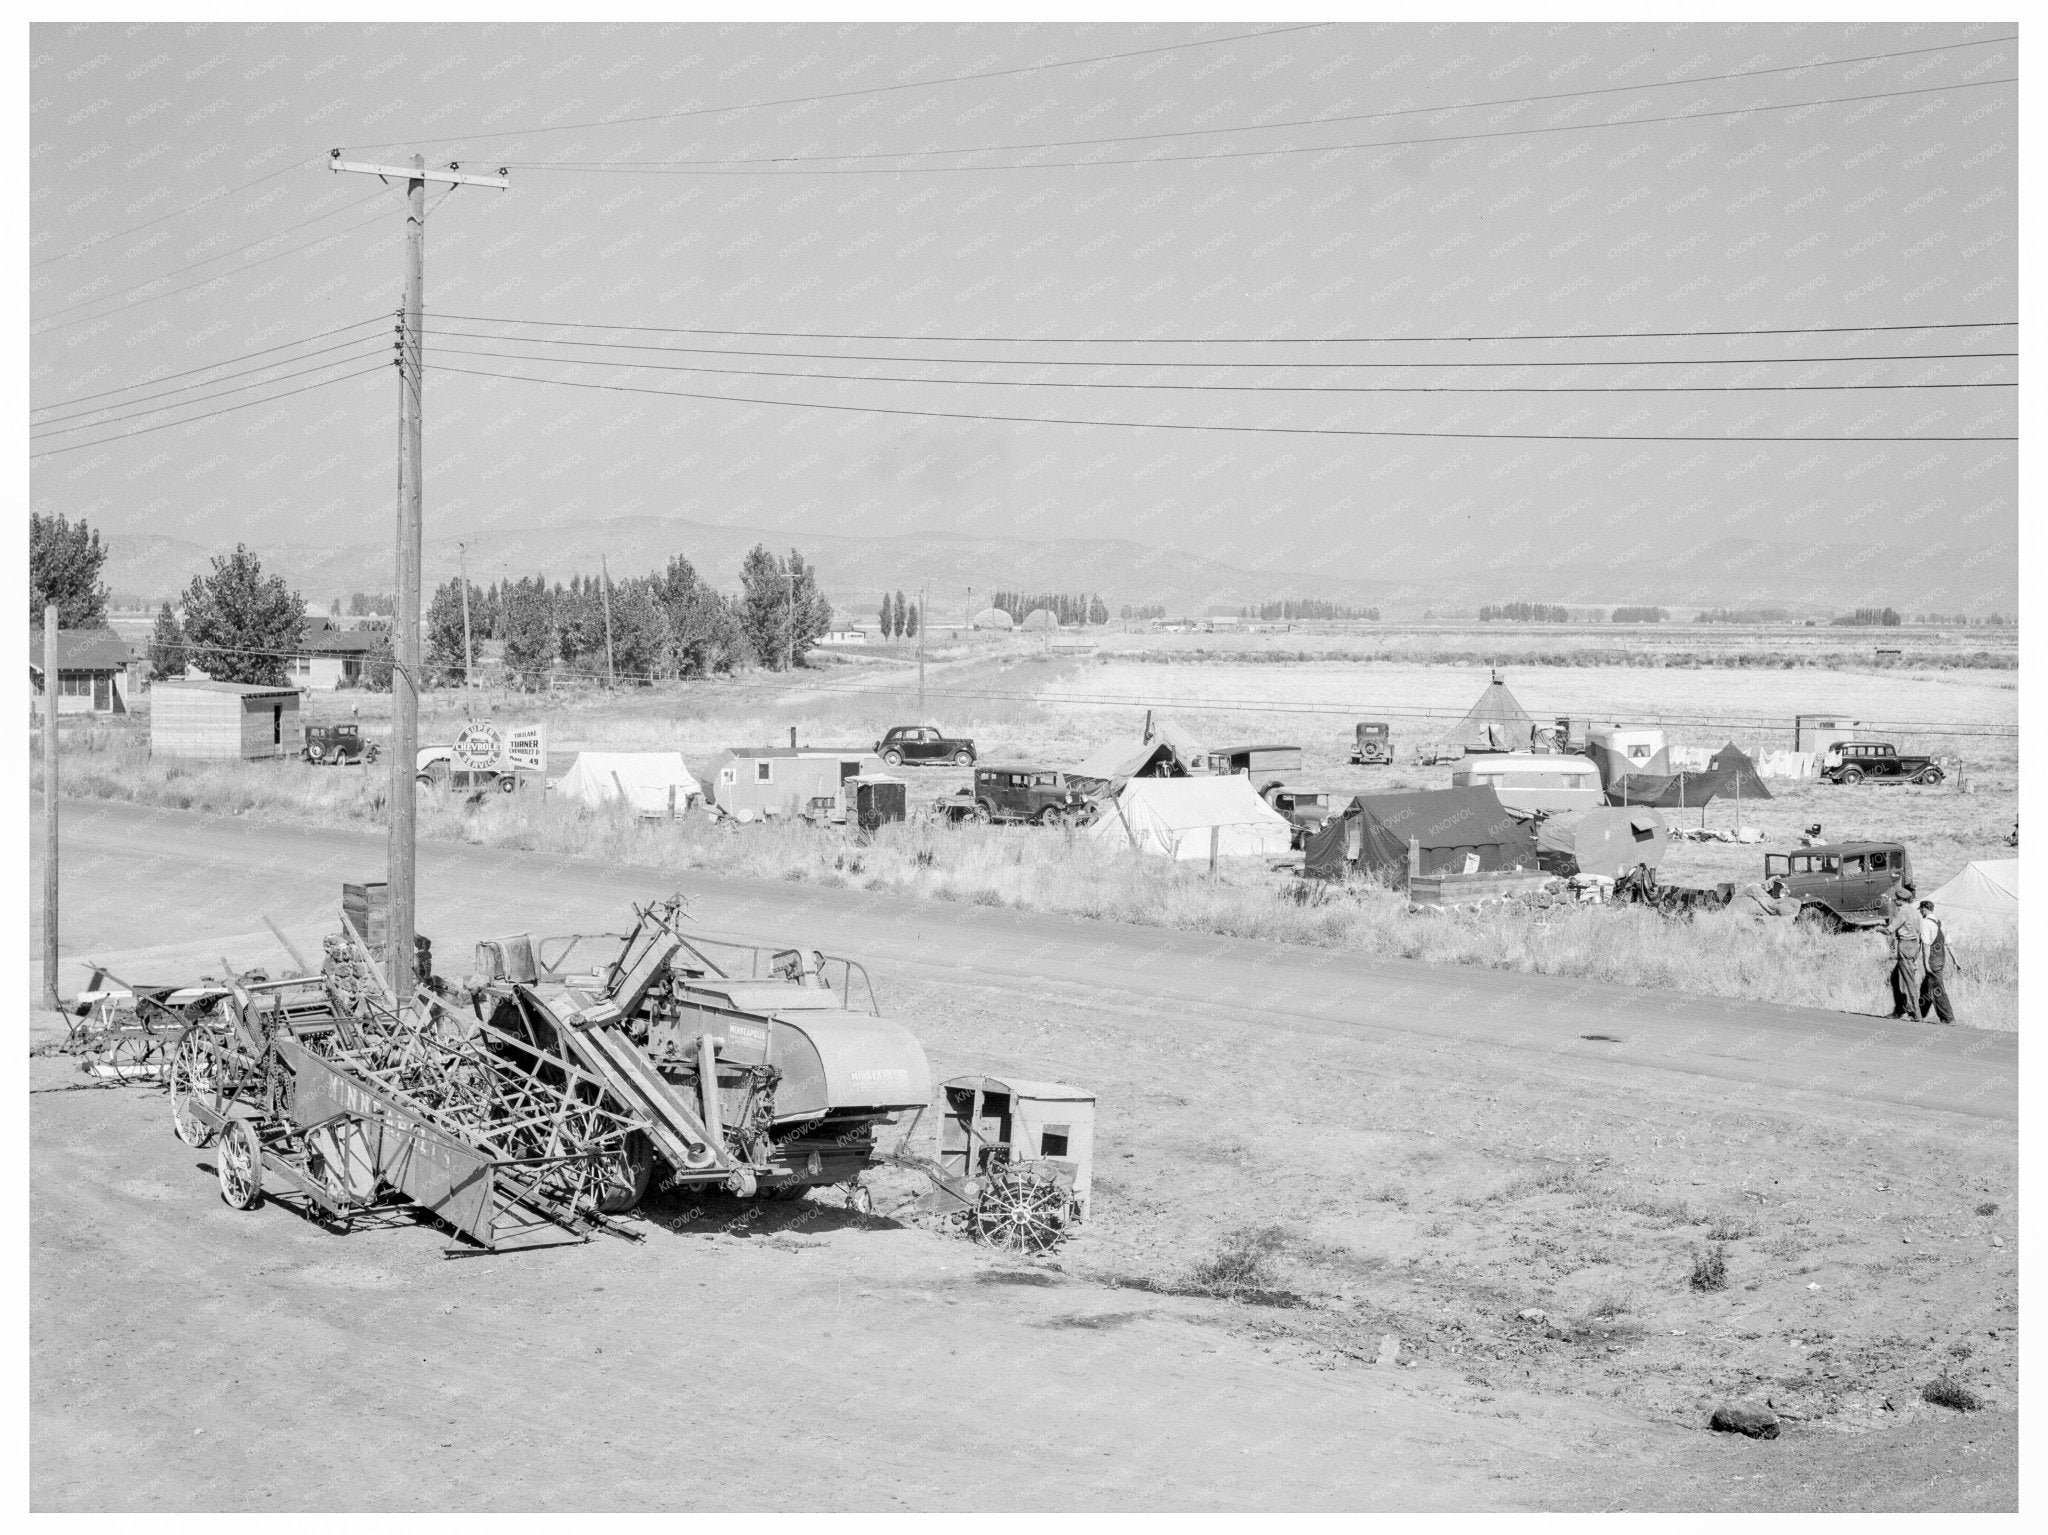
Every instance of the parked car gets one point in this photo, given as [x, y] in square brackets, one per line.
[1879, 761]
[1039, 795]
[436, 768]
[1841, 884]
[1306, 809]
[337, 745]
[925, 744]
[1373, 746]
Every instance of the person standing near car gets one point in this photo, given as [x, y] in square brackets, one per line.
[1933, 989]
[1909, 957]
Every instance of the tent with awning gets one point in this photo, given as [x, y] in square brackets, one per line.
[1179, 817]
[1166, 750]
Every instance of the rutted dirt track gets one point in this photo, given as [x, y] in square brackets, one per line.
[187, 1356]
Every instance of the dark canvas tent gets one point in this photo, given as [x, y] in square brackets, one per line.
[1497, 723]
[1373, 833]
[1607, 841]
[1738, 775]
[1665, 791]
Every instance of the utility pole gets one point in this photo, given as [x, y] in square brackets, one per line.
[923, 602]
[611, 669]
[468, 651]
[789, 630]
[50, 664]
[405, 623]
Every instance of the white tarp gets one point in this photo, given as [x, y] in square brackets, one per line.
[1690, 759]
[1173, 818]
[1987, 889]
[597, 777]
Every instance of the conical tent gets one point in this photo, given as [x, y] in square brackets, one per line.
[1497, 723]
[1738, 774]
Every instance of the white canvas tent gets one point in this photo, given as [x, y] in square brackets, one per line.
[1174, 818]
[1988, 890]
[597, 778]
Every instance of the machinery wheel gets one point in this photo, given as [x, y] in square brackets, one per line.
[859, 1200]
[1021, 1208]
[893, 757]
[982, 814]
[239, 1159]
[786, 1193]
[195, 1078]
[963, 758]
[1850, 775]
[627, 1177]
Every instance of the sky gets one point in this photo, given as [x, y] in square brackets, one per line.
[1193, 213]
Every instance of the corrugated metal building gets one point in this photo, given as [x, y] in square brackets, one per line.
[224, 721]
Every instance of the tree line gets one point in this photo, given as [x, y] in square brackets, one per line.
[1067, 607]
[899, 620]
[1638, 616]
[1311, 608]
[1524, 613]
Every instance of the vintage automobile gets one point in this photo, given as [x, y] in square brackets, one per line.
[1306, 809]
[337, 746]
[923, 744]
[1041, 796]
[1841, 884]
[437, 768]
[1853, 761]
[1373, 745]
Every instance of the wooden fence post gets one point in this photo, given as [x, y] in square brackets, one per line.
[1215, 841]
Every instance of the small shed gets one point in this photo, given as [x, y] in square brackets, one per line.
[754, 782]
[1011, 1120]
[224, 721]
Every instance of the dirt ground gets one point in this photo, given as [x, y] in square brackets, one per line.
[1438, 1156]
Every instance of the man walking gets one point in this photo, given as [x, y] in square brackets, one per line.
[1934, 944]
[1909, 958]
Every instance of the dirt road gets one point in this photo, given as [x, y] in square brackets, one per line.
[188, 1356]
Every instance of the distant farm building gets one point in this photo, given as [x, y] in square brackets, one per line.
[1040, 621]
[992, 618]
[224, 721]
[845, 637]
[92, 670]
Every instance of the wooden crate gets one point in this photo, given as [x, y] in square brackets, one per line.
[366, 908]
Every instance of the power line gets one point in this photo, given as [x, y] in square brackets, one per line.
[205, 282]
[282, 362]
[1297, 122]
[144, 383]
[38, 436]
[867, 90]
[1213, 156]
[100, 298]
[1590, 335]
[1005, 383]
[98, 240]
[1052, 362]
[1175, 426]
[195, 420]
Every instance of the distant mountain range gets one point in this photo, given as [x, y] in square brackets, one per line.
[961, 571]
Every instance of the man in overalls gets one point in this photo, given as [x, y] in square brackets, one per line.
[1933, 990]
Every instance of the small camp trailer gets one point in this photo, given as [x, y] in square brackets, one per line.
[1533, 781]
[753, 783]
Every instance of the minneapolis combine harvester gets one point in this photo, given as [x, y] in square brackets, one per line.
[762, 1071]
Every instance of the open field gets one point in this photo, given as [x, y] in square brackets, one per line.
[1382, 1150]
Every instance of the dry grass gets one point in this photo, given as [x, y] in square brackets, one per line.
[1716, 953]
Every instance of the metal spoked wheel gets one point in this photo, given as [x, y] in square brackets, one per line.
[239, 1160]
[859, 1200]
[982, 815]
[1022, 1209]
[195, 1079]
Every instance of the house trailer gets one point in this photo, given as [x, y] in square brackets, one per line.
[224, 721]
[757, 782]
[1529, 781]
